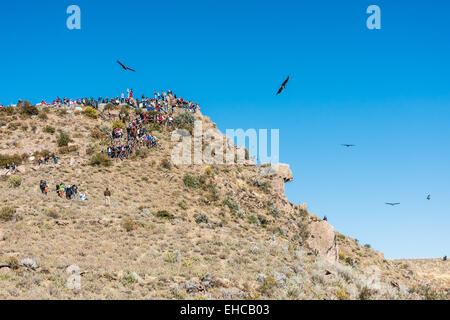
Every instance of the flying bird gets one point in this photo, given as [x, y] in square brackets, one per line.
[283, 86]
[429, 197]
[125, 67]
[348, 145]
[393, 203]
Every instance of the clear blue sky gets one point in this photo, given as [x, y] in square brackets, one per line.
[387, 91]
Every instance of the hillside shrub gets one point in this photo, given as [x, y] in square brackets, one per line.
[164, 214]
[7, 213]
[90, 113]
[25, 107]
[166, 164]
[9, 159]
[14, 181]
[185, 120]
[67, 149]
[49, 129]
[128, 224]
[191, 181]
[118, 124]
[63, 139]
[200, 218]
[100, 159]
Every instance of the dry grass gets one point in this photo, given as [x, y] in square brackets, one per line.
[165, 235]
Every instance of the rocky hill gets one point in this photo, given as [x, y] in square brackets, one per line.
[171, 231]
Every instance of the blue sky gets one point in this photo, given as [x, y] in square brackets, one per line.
[387, 91]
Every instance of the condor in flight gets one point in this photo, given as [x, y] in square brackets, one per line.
[393, 203]
[283, 86]
[125, 67]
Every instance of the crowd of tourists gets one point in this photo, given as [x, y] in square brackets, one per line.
[122, 147]
[70, 192]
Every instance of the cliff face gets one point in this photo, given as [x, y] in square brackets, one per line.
[171, 231]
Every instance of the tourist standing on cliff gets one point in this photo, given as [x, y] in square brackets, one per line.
[107, 195]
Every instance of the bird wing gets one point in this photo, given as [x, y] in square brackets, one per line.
[131, 69]
[121, 64]
[279, 90]
[285, 81]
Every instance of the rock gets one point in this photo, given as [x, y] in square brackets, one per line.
[249, 163]
[174, 287]
[191, 286]
[78, 109]
[74, 280]
[207, 280]
[137, 277]
[232, 293]
[280, 279]
[147, 213]
[280, 173]
[322, 240]
[250, 239]
[261, 277]
[29, 263]
[183, 132]
[255, 250]
[200, 218]
[73, 269]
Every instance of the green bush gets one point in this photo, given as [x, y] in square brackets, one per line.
[43, 116]
[63, 139]
[7, 214]
[128, 224]
[273, 209]
[164, 214]
[141, 153]
[170, 257]
[109, 107]
[231, 204]
[14, 181]
[155, 127]
[90, 113]
[191, 181]
[166, 164]
[62, 112]
[185, 120]
[68, 149]
[97, 134]
[27, 108]
[9, 159]
[49, 129]
[100, 159]
[129, 279]
[118, 124]
[125, 110]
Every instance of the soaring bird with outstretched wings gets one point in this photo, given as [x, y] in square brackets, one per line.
[348, 145]
[283, 86]
[125, 67]
[393, 203]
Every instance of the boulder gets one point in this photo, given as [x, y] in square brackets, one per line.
[279, 173]
[322, 240]
[29, 263]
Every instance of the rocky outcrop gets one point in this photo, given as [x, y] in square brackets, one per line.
[322, 240]
[279, 173]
